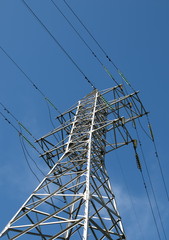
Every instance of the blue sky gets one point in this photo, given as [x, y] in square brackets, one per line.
[135, 35]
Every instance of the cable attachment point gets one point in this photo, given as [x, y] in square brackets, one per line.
[122, 119]
[35, 86]
[151, 132]
[134, 143]
[138, 162]
[108, 58]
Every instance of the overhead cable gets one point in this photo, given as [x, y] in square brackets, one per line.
[27, 152]
[149, 200]
[144, 183]
[128, 193]
[157, 156]
[86, 44]
[30, 81]
[24, 152]
[98, 44]
[143, 179]
[151, 184]
[147, 193]
[47, 100]
[60, 46]
[19, 132]
[150, 135]
[19, 123]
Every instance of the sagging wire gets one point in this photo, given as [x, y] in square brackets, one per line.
[19, 123]
[148, 196]
[157, 155]
[28, 154]
[58, 139]
[47, 100]
[3, 116]
[138, 162]
[152, 138]
[30, 81]
[60, 46]
[151, 184]
[139, 166]
[143, 179]
[144, 130]
[25, 151]
[25, 156]
[22, 138]
[86, 44]
[145, 186]
[20, 133]
[21, 126]
[128, 193]
[101, 48]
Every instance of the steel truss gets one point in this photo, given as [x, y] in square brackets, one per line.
[75, 199]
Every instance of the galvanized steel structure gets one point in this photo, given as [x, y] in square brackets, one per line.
[75, 199]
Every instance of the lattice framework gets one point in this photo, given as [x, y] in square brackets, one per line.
[75, 199]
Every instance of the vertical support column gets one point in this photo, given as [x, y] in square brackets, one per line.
[87, 193]
[70, 136]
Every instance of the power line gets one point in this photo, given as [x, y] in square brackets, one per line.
[143, 179]
[22, 71]
[86, 44]
[25, 128]
[60, 46]
[152, 138]
[47, 100]
[21, 139]
[144, 130]
[19, 123]
[19, 132]
[7, 120]
[24, 153]
[157, 156]
[149, 200]
[145, 186]
[91, 35]
[99, 45]
[29, 80]
[128, 193]
[151, 184]
[75, 65]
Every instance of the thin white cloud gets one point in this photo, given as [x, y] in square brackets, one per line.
[136, 215]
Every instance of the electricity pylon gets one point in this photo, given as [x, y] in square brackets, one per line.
[75, 199]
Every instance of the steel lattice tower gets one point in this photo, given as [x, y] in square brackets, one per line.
[75, 199]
